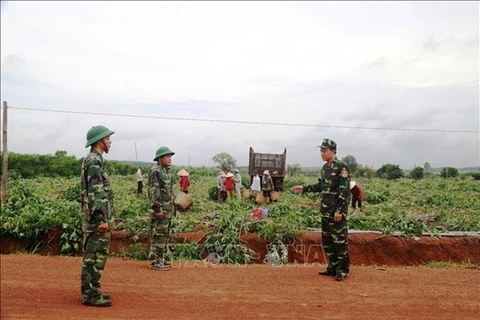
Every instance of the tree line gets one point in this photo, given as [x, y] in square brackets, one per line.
[387, 171]
[62, 165]
[58, 165]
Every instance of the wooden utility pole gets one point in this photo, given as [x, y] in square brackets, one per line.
[4, 154]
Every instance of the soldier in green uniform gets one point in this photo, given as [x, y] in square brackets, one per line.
[333, 186]
[161, 203]
[98, 216]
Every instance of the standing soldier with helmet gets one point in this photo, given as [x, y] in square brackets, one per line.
[334, 188]
[161, 203]
[98, 216]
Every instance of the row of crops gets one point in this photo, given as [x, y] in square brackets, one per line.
[407, 206]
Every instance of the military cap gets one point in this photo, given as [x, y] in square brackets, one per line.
[330, 144]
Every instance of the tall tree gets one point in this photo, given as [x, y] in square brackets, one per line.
[417, 173]
[224, 161]
[427, 167]
[365, 171]
[60, 153]
[449, 172]
[351, 162]
[390, 172]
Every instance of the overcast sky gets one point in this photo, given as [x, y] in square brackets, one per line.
[331, 67]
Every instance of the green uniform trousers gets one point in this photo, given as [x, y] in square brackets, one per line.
[160, 236]
[335, 244]
[95, 252]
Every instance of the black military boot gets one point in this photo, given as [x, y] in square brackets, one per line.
[340, 276]
[160, 267]
[327, 273]
[105, 295]
[98, 302]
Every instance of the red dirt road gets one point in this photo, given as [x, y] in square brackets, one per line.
[48, 287]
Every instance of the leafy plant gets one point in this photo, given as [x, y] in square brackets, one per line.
[224, 239]
[137, 251]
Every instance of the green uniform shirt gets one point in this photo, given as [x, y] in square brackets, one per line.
[97, 196]
[160, 191]
[333, 186]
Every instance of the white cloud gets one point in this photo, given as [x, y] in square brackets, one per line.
[386, 64]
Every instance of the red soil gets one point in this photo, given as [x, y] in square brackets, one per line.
[48, 287]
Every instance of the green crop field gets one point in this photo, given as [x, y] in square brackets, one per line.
[407, 206]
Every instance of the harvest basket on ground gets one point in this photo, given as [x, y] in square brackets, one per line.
[246, 193]
[260, 199]
[275, 195]
[183, 201]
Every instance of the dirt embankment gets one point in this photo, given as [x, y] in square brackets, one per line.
[365, 248]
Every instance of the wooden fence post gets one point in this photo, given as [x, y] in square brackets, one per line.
[4, 154]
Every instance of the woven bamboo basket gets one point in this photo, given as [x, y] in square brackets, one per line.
[260, 199]
[275, 195]
[246, 193]
[183, 201]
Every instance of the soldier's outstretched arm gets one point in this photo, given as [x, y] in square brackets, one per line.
[317, 187]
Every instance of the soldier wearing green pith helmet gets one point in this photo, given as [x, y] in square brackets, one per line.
[161, 203]
[98, 216]
[333, 186]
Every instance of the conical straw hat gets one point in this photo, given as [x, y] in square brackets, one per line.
[182, 172]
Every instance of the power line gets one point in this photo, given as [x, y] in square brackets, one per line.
[242, 122]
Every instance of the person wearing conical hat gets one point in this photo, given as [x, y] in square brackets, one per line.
[357, 196]
[229, 184]
[184, 181]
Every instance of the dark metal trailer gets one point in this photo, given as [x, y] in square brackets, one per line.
[274, 163]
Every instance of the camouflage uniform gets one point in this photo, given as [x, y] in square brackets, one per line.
[333, 186]
[97, 205]
[161, 199]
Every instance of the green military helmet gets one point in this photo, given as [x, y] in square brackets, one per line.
[97, 133]
[162, 151]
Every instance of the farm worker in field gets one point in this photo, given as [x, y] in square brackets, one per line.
[357, 196]
[229, 184]
[255, 186]
[184, 181]
[238, 184]
[222, 192]
[139, 180]
[267, 185]
[161, 203]
[333, 185]
[98, 216]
